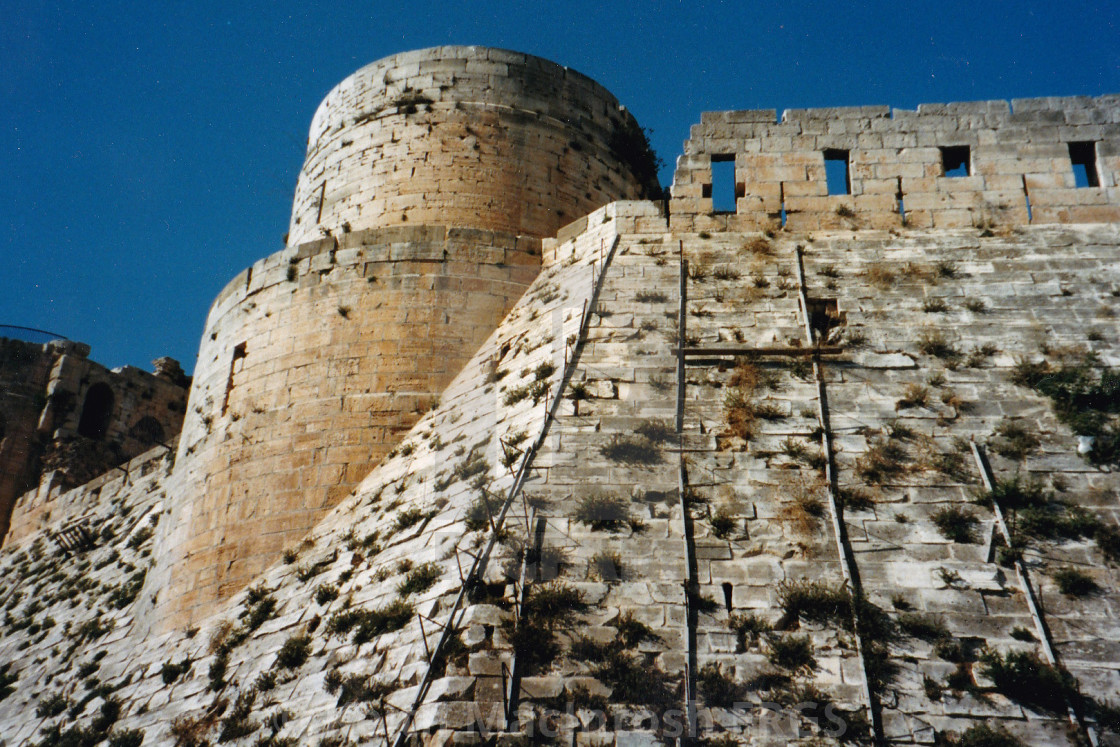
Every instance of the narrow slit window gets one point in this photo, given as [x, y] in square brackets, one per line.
[782, 192]
[238, 356]
[955, 160]
[322, 198]
[723, 190]
[837, 173]
[901, 201]
[1083, 156]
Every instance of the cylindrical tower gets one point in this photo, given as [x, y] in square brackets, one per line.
[430, 179]
[467, 136]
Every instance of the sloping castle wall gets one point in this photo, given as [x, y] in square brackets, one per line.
[443, 170]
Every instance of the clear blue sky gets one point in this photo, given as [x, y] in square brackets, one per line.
[149, 151]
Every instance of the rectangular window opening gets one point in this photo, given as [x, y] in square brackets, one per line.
[1083, 156]
[836, 172]
[782, 194]
[824, 315]
[901, 201]
[955, 160]
[723, 192]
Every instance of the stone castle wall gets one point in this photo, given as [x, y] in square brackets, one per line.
[23, 378]
[1009, 296]
[313, 365]
[387, 620]
[1018, 155]
[466, 136]
[443, 171]
[51, 506]
[65, 419]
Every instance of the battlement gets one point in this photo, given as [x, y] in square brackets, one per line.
[981, 163]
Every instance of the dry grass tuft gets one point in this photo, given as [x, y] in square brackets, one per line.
[738, 404]
[807, 508]
[914, 395]
[739, 411]
[880, 277]
[759, 246]
[884, 460]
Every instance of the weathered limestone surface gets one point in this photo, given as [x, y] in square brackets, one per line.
[1006, 298]
[399, 514]
[1019, 156]
[408, 512]
[430, 179]
[1038, 285]
[466, 136]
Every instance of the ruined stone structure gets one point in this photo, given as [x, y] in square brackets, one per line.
[64, 420]
[1014, 161]
[814, 469]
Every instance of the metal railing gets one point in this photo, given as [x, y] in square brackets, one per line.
[29, 334]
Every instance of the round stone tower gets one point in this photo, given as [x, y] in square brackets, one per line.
[430, 179]
[466, 136]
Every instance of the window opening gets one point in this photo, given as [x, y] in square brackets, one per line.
[901, 203]
[955, 160]
[147, 429]
[97, 411]
[837, 172]
[238, 355]
[727, 590]
[1083, 156]
[1027, 197]
[723, 189]
[782, 193]
[824, 316]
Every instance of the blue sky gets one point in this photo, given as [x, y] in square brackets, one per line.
[149, 152]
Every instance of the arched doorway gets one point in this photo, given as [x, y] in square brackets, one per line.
[97, 411]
